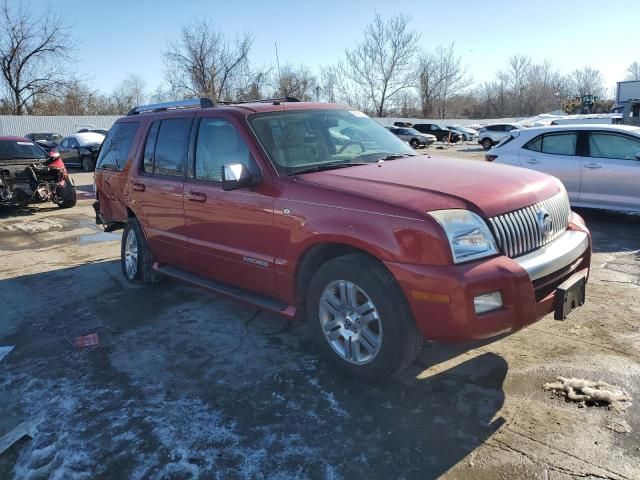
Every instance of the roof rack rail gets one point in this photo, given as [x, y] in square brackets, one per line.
[275, 101]
[159, 107]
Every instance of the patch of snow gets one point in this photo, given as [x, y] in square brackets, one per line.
[580, 390]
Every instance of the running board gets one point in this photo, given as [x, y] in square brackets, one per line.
[260, 301]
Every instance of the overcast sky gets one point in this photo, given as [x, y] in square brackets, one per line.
[121, 37]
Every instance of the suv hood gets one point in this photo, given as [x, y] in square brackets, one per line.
[423, 183]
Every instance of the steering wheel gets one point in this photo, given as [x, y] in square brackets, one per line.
[349, 143]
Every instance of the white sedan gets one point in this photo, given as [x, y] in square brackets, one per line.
[599, 165]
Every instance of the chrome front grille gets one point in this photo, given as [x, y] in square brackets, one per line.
[525, 230]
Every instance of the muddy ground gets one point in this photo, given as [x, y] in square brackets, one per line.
[185, 384]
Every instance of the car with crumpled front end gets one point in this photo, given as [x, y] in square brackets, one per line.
[28, 175]
[314, 211]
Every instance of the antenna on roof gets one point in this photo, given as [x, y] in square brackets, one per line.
[277, 59]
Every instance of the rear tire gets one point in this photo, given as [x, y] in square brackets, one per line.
[68, 196]
[487, 143]
[135, 257]
[87, 164]
[360, 318]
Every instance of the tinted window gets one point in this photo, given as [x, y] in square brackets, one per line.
[535, 145]
[73, 143]
[560, 144]
[606, 145]
[219, 143]
[116, 146]
[166, 147]
[149, 148]
[171, 147]
[65, 143]
[10, 150]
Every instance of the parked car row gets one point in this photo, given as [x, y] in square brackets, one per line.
[79, 149]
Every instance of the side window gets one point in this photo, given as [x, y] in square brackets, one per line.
[150, 147]
[606, 145]
[171, 147]
[434, 127]
[65, 143]
[115, 148]
[219, 143]
[73, 143]
[560, 144]
[534, 145]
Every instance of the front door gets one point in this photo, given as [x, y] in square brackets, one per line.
[611, 171]
[555, 154]
[157, 189]
[229, 233]
[68, 150]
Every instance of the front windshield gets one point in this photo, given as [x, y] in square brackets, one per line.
[13, 150]
[304, 140]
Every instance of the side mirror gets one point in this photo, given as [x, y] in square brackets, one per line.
[237, 175]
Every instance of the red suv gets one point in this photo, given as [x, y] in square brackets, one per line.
[316, 211]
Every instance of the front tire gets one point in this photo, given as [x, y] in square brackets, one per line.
[487, 143]
[361, 319]
[414, 143]
[135, 257]
[68, 196]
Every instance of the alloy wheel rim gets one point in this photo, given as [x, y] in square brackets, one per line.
[131, 255]
[350, 322]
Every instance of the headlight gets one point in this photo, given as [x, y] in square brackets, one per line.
[469, 236]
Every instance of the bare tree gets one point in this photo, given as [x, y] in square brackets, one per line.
[633, 72]
[294, 81]
[35, 54]
[129, 93]
[382, 64]
[587, 81]
[203, 62]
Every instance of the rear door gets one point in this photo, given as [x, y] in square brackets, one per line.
[157, 189]
[230, 234]
[115, 156]
[555, 154]
[611, 170]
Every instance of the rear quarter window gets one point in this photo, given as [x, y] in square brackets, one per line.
[114, 152]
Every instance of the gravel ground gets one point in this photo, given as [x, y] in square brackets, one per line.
[185, 384]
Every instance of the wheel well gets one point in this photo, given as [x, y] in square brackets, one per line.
[130, 213]
[313, 259]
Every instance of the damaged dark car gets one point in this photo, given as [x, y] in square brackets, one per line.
[29, 175]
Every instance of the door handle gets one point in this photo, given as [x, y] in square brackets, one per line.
[197, 197]
[592, 166]
[138, 187]
[532, 161]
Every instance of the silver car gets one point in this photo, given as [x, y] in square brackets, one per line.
[413, 137]
[599, 165]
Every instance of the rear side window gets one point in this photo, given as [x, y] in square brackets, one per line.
[115, 148]
[169, 147]
[554, 144]
[563, 144]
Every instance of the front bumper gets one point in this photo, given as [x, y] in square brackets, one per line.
[442, 297]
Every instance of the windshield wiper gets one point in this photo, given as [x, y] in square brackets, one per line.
[329, 166]
[395, 156]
